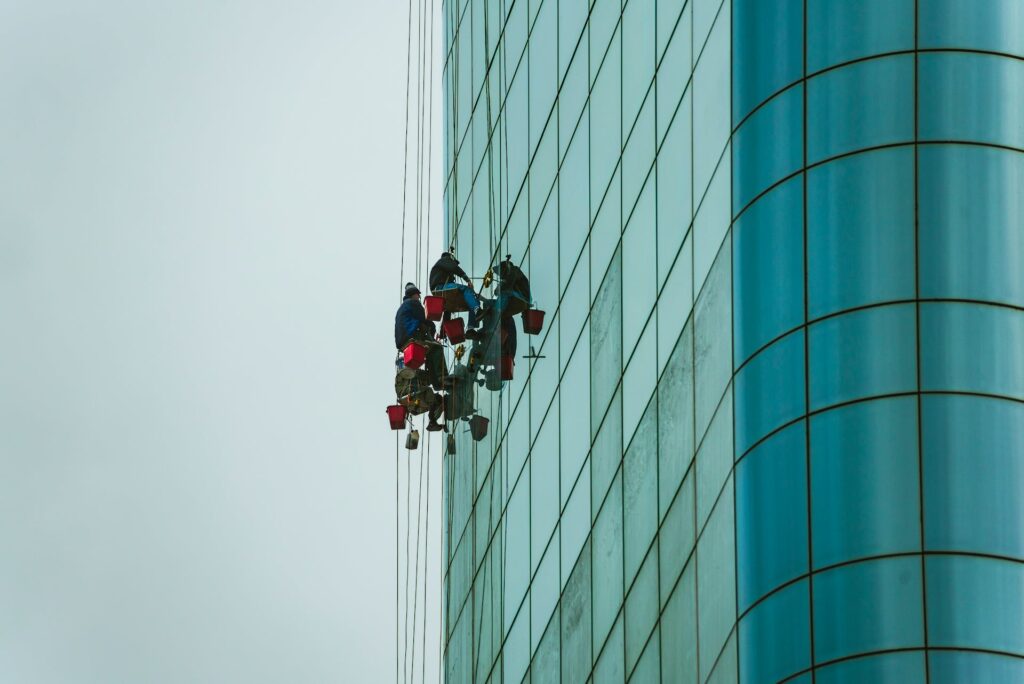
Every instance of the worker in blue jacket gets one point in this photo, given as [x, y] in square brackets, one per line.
[411, 324]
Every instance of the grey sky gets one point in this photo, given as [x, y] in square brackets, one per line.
[199, 212]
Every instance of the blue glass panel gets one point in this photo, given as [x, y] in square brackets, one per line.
[990, 25]
[862, 354]
[711, 127]
[768, 283]
[868, 606]
[771, 514]
[860, 230]
[640, 493]
[861, 105]
[768, 147]
[637, 59]
[972, 348]
[841, 31]
[679, 629]
[716, 581]
[575, 614]
[972, 223]
[607, 563]
[642, 608]
[975, 603]
[764, 60]
[674, 70]
[609, 668]
[950, 667]
[770, 390]
[864, 481]
[974, 475]
[953, 85]
[775, 637]
[905, 668]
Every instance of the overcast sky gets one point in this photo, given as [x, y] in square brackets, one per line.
[200, 206]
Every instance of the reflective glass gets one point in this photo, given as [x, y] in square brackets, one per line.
[891, 667]
[544, 485]
[864, 353]
[975, 603]
[575, 520]
[842, 31]
[713, 362]
[639, 279]
[768, 278]
[972, 223]
[649, 667]
[573, 203]
[610, 668]
[605, 116]
[637, 59]
[572, 15]
[675, 303]
[953, 84]
[642, 608]
[860, 230]
[575, 88]
[546, 664]
[606, 341]
[765, 61]
[542, 47]
[640, 489]
[973, 475]
[862, 105]
[972, 348]
[674, 189]
[606, 231]
[515, 654]
[575, 615]
[638, 158]
[769, 145]
[668, 17]
[676, 537]
[726, 670]
[711, 103]
[992, 25]
[711, 225]
[771, 514]
[679, 630]
[868, 606]
[604, 20]
[574, 414]
[775, 638]
[714, 459]
[674, 72]
[638, 382]
[607, 562]
[950, 667]
[864, 480]
[675, 419]
[716, 579]
[607, 452]
[770, 390]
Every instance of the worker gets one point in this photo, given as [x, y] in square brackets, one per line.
[412, 387]
[512, 283]
[411, 324]
[442, 277]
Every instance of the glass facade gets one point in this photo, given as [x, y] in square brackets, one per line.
[773, 429]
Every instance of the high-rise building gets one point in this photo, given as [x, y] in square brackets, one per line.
[773, 429]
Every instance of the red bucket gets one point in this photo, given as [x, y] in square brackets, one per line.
[478, 427]
[415, 355]
[455, 330]
[396, 416]
[533, 321]
[434, 307]
[507, 364]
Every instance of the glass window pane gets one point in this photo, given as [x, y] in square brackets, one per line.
[606, 341]
[952, 85]
[675, 303]
[676, 537]
[861, 105]
[716, 581]
[610, 668]
[668, 17]
[711, 225]
[972, 348]
[992, 25]
[638, 158]
[544, 72]
[775, 638]
[575, 521]
[768, 280]
[713, 358]
[640, 488]
[674, 189]
[711, 103]
[607, 452]
[674, 70]
[864, 481]
[639, 279]
[605, 116]
[675, 418]
[638, 382]
[950, 667]
[842, 31]
[765, 61]
[871, 606]
[544, 484]
[862, 354]
[573, 203]
[649, 667]
[607, 563]
[637, 59]
[575, 614]
[546, 666]
[606, 231]
[714, 459]
[679, 629]
[769, 145]
[975, 603]
[973, 475]
[972, 223]
[771, 514]
[891, 667]
[642, 608]
[770, 390]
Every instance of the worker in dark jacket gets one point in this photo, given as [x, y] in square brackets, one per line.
[442, 277]
[411, 324]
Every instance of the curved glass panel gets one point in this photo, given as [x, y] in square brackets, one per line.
[973, 475]
[860, 230]
[905, 668]
[868, 606]
[954, 85]
[770, 390]
[991, 25]
[768, 147]
[951, 667]
[975, 603]
[768, 285]
[841, 31]
[972, 348]
[864, 481]
[775, 636]
[862, 105]
[864, 353]
[972, 223]
[764, 60]
[771, 514]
